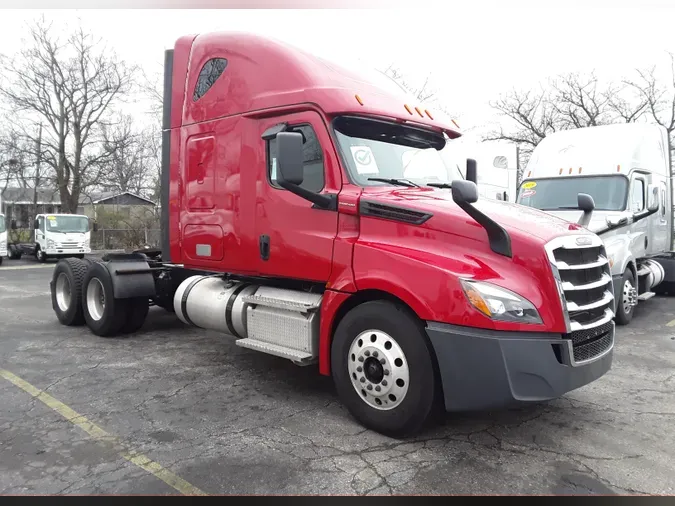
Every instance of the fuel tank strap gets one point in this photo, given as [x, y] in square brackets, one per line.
[228, 309]
[184, 299]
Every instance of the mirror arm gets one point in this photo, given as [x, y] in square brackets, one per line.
[328, 202]
[500, 241]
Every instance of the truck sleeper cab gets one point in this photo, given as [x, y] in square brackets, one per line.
[313, 215]
[625, 168]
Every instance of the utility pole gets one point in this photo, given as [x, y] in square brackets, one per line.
[36, 181]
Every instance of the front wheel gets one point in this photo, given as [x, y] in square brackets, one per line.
[383, 368]
[625, 305]
[40, 255]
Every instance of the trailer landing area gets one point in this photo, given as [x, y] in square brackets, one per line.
[177, 410]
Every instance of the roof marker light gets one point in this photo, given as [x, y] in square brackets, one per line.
[419, 112]
[560, 172]
[570, 170]
[358, 99]
[455, 123]
[618, 168]
[429, 114]
[579, 170]
[407, 108]
[528, 174]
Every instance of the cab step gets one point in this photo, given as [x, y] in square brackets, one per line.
[284, 323]
[295, 356]
[646, 296]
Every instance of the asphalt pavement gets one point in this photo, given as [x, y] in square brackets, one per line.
[174, 409]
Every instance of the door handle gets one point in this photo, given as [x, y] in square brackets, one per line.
[265, 247]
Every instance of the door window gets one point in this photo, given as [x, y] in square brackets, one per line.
[312, 159]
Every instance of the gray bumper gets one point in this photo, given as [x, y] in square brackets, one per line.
[483, 369]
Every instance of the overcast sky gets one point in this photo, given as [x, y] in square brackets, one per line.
[473, 53]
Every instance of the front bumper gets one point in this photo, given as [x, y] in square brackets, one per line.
[482, 369]
[67, 251]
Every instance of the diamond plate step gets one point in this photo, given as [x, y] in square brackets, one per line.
[646, 296]
[299, 357]
[299, 307]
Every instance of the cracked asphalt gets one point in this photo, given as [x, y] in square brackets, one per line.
[232, 421]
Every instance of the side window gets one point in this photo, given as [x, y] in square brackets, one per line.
[41, 223]
[637, 199]
[312, 158]
[209, 74]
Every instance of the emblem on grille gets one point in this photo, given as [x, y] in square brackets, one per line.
[583, 240]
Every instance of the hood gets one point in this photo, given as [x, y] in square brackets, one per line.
[527, 221]
[598, 219]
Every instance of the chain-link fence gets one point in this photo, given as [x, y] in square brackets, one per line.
[124, 239]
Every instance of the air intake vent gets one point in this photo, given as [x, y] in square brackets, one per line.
[395, 213]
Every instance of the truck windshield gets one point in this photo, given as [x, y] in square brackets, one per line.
[382, 149]
[2, 224]
[608, 192]
[77, 224]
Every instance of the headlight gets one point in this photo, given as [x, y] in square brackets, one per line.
[3, 244]
[50, 243]
[498, 303]
[86, 243]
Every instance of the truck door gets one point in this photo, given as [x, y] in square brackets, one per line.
[40, 232]
[660, 224]
[637, 203]
[295, 240]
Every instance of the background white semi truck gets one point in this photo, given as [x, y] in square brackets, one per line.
[625, 168]
[498, 160]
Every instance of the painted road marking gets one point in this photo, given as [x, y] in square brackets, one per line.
[24, 267]
[670, 323]
[104, 437]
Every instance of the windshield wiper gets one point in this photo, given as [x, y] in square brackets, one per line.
[399, 182]
[440, 185]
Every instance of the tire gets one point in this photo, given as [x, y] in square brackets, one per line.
[625, 311]
[137, 311]
[414, 382]
[104, 317]
[66, 291]
[40, 256]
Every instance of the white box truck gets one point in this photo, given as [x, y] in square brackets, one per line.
[625, 169]
[56, 236]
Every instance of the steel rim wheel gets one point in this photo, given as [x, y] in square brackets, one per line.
[95, 299]
[628, 296]
[63, 292]
[378, 369]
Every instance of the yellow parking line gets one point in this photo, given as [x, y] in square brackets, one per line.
[670, 323]
[25, 267]
[104, 437]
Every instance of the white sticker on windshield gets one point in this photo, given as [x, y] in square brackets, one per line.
[364, 160]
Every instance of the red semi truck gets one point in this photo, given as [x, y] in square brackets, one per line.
[290, 222]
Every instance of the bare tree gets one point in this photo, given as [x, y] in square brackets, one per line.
[568, 101]
[71, 86]
[424, 92]
[657, 96]
[130, 164]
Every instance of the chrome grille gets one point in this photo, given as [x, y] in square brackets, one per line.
[67, 245]
[580, 264]
[591, 343]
